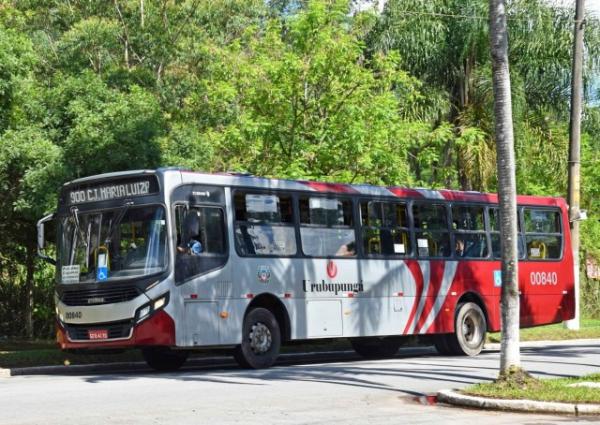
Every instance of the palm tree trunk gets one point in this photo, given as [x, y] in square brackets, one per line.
[509, 350]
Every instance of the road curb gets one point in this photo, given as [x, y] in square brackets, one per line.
[532, 406]
[495, 346]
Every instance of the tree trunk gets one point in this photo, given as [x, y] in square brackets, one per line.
[509, 350]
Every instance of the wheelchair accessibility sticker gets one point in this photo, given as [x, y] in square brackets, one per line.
[498, 278]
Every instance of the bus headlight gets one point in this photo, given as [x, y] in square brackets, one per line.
[147, 309]
[160, 303]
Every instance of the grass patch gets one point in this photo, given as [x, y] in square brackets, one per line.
[527, 388]
[18, 353]
[589, 329]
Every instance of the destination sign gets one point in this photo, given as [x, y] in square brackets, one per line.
[110, 191]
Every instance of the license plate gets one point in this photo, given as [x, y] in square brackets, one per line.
[98, 334]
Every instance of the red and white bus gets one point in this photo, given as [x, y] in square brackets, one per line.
[171, 260]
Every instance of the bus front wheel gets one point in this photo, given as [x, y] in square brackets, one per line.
[261, 340]
[163, 359]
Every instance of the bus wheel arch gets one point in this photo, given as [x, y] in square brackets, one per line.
[275, 306]
[470, 326]
[263, 330]
[473, 298]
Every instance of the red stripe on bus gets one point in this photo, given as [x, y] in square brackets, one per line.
[330, 187]
[404, 192]
[436, 278]
[415, 269]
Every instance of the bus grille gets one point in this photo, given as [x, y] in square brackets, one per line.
[115, 330]
[115, 294]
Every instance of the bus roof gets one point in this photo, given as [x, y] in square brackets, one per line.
[239, 179]
[247, 180]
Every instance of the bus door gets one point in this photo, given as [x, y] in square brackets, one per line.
[201, 255]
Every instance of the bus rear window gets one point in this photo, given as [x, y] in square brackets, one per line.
[543, 236]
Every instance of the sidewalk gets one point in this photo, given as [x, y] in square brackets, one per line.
[456, 398]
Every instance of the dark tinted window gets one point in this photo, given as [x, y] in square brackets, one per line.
[467, 218]
[468, 225]
[430, 216]
[431, 223]
[384, 230]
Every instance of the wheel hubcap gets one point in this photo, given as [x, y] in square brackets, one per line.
[260, 338]
[472, 330]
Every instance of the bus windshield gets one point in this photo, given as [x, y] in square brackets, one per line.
[112, 244]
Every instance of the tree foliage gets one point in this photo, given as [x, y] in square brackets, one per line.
[286, 88]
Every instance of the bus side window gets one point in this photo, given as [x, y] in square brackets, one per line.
[494, 217]
[264, 224]
[543, 234]
[468, 225]
[326, 227]
[200, 241]
[385, 229]
[431, 223]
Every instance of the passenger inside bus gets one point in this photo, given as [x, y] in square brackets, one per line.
[347, 250]
[459, 247]
[192, 235]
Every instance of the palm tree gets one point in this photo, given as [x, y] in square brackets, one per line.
[445, 43]
[509, 351]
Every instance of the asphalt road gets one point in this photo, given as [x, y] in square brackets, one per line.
[330, 389]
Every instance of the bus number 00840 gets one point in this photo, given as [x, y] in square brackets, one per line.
[543, 278]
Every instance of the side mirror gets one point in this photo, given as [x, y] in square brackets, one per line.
[41, 242]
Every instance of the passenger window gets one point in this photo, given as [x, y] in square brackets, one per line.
[543, 236]
[541, 221]
[430, 217]
[326, 227]
[433, 239]
[494, 217]
[201, 243]
[496, 245]
[385, 229]
[467, 218]
[264, 224]
[470, 239]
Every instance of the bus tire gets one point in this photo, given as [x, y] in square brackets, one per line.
[470, 328]
[163, 359]
[261, 340]
[376, 347]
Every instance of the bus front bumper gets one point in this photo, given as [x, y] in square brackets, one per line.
[158, 329]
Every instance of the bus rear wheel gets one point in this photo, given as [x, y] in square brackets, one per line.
[469, 336]
[376, 347]
[261, 340]
[163, 359]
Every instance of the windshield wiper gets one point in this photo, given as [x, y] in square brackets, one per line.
[113, 224]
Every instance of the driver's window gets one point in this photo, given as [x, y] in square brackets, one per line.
[200, 244]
